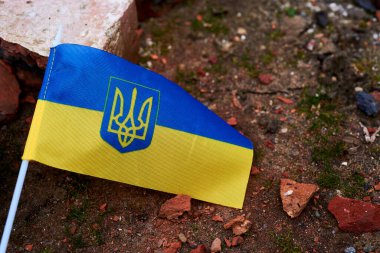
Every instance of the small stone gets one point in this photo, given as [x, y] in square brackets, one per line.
[29, 119]
[239, 229]
[29, 100]
[232, 121]
[377, 187]
[367, 103]
[293, 26]
[283, 130]
[199, 249]
[154, 57]
[350, 250]
[344, 164]
[182, 238]
[217, 218]
[103, 207]
[322, 19]
[228, 243]
[237, 220]
[255, 171]
[293, 204]
[358, 89]
[265, 78]
[366, 5]
[226, 46]
[355, 215]
[175, 207]
[285, 100]
[28, 247]
[73, 229]
[173, 247]
[237, 240]
[116, 218]
[216, 245]
[310, 45]
[317, 214]
[241, 31]
[369, 248]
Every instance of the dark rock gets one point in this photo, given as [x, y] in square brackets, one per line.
[273, 126]
[366, 5]
[321, 19]
[355, 215]
[367, 103]
[10, 91]
[30, 78]
[376, 3]
[369, 248]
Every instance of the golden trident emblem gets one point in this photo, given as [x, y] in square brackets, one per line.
[127, 128]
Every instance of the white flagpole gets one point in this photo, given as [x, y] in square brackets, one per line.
[20, 181]
[14, 204]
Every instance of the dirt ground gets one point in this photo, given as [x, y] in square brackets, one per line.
[304, 125]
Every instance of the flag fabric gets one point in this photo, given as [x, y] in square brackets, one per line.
[100, 115]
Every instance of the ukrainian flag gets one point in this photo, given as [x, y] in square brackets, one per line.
[99, 115]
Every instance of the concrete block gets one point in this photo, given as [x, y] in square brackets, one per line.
[28, 28]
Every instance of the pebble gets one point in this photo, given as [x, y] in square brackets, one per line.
[182, 237]
[317, 214]
[321, 19]
[284, 130]
[344, 163]
[367, 103]
[28, 247]
[310, 45]
[216, 245]
[369, 248]
[241, 31]
[226, 45]
[366, 5]
[350, 250]
[358, 89]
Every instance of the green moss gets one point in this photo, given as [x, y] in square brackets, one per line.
[212, 22]
[78, 241]
[275, 35]
[285, 242]
[248, 64]
[267, 57]
[186, 77]
[47, 250]
[290, 11]
[99, 238]
[369, 66]
[329, 179]
[354, 185]
[324, 152]
[78, 213]
[217, 68]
